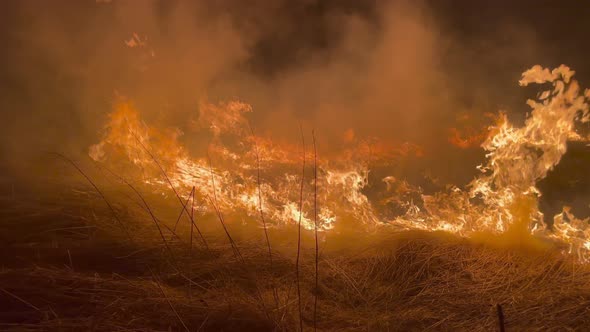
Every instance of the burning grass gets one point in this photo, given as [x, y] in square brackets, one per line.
[251, 176]
[67, 266]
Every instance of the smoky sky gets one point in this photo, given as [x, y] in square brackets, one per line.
[401, 71]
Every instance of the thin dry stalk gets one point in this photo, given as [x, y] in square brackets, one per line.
[20, 299]
[70, 258]
[183, 208]
[190, 286]
[169, 303]
[149, 210]
[231, 240]
[191, 217]
[100, 193]
[258, 182]
[299, 231]
[315, 222]
[172, 259]
[171, 185]
[115, 214]
[220, 216]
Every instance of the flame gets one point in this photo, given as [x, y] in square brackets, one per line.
[469, 135]
[502, 199]
[517, 158]
[234, 189]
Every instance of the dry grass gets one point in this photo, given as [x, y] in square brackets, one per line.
[66, 266]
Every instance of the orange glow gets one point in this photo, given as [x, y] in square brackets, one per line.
[469, 134]
[505, 191]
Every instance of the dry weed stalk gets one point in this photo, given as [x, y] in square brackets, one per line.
[315, 223]
[168, 301]
[297, 277]
[184, 208]
[259, 185]
[114, 214]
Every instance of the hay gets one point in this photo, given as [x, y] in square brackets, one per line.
[68, 267]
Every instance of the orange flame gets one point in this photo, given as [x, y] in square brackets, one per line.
[503, 197]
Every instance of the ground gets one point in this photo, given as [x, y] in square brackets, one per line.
[68, 266]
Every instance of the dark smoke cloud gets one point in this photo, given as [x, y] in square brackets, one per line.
[397, 70]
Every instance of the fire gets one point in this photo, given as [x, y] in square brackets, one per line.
[234, 189]
[502, 198]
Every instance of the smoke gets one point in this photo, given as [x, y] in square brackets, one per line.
[350, 70]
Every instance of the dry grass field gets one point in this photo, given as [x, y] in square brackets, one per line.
[67, 266]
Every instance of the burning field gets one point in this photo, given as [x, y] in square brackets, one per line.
[191, 166]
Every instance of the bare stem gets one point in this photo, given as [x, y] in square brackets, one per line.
[20, 299]
[315, 222]
[184, 208]
[149, 210]
[299, 230]
[192, 197]
[274, 290]
[100, 193]
[220, 216]
[169, 303]
[161, 169]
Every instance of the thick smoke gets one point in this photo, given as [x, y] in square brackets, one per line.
[394, 70]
